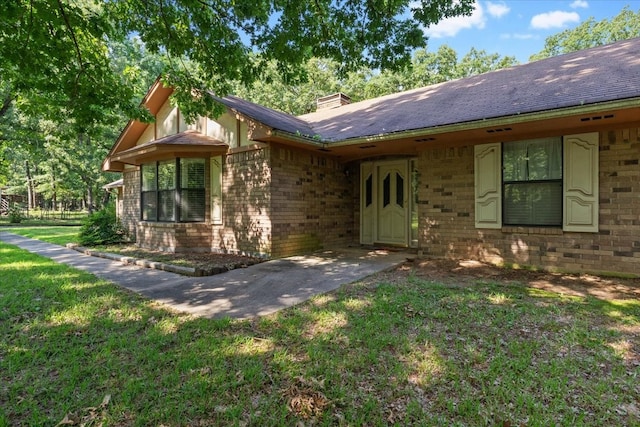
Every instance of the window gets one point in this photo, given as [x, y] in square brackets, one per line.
[149, 193]
[161, 197]
[542, 182]
[167, 191]
[192, 201]
[532, 182]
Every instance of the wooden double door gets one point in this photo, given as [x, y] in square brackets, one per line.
[385, 202]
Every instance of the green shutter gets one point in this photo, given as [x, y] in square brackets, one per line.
[488, 185]
[580, 202]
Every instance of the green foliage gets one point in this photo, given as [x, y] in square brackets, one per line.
[322, 77]
[55, 55]
[102, 228]
[15, 214]
[591, 33]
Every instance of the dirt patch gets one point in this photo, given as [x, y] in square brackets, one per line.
[466, 272]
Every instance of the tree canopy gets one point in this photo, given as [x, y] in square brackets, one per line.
[592, 33]
[55, 53]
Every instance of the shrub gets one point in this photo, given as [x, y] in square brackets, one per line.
[102, 228]
[15, 214]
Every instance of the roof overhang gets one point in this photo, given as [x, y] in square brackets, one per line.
[565, 121]
[115, 184]
[184, 144]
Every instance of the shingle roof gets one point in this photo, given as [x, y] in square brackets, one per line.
[272, 118]
[601, 74]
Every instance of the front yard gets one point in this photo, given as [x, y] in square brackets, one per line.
[431, 343]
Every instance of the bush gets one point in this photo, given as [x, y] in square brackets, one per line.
[15, 214]
[102, 228]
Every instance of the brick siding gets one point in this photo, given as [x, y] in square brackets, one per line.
[131, 202]
[174, 237]
[312, 202]
[446, 204]
[246, 204]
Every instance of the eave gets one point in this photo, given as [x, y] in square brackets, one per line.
[584, 118]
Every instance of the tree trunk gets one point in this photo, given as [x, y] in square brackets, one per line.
[31, 193]
[90, 198]
[6, 103]
[54, 190]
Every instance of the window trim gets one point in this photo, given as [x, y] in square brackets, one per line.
[177, 191]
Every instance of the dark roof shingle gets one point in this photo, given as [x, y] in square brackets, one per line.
[601, 74]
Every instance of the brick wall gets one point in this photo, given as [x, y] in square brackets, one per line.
[446, 199]
[174, 237]
[246, 205]
[312, 202]
[131, 202]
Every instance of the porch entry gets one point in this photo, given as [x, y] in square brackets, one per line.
[385, 202]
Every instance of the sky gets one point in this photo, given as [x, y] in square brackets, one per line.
[518, 27]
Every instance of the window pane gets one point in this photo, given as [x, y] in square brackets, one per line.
[386, 191]
[167, 175]
[399, 190]
[538, 203]
[514, 162]
[192, 193]
[192, 173]
[532, 160]
[192, 205]
[149, 206]
[149, 177]
[166, 205]
[368, 184]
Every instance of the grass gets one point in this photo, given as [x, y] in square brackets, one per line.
[59, 235]
[412, 352]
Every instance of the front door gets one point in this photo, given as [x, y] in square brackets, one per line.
[385, 202]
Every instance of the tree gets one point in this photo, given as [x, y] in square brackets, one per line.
[54, 163]
[323, 77]
[592, 33]
[56, 52]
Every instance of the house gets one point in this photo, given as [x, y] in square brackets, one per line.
[116, 187]
[537, 165]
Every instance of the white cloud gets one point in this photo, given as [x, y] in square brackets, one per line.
[555, 19]
[498, 10]
[579, 3]
[451, 26]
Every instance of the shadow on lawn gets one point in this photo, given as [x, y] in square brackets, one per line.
[406, 351]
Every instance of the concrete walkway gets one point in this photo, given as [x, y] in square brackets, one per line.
[243, 293]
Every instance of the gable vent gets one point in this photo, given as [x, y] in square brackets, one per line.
[364, 147]
[589, 119]
[498, 130]
[425, 139]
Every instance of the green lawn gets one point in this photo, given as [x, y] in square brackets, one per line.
[59, 235]
[407, 352]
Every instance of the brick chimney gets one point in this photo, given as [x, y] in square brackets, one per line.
[332, 101]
